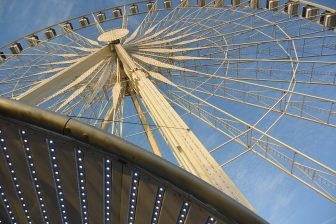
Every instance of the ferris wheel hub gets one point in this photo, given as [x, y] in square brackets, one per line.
[113, 35]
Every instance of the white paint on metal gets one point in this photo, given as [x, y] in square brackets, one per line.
[113, 35]
[186, 147]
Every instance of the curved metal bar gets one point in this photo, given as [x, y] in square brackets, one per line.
[52, 122]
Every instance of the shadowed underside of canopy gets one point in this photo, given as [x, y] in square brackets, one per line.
[57, 170]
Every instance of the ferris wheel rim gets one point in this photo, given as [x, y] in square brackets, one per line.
[307, 2]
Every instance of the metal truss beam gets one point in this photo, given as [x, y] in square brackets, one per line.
[48, 86]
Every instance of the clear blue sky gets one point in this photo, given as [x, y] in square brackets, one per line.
[277, 198]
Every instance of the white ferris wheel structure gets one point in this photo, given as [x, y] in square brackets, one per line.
[203, 84]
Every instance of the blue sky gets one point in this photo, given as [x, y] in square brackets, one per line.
[277, 197]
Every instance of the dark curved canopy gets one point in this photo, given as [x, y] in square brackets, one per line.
[55, 169]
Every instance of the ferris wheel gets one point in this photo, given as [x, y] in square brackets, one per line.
[202, 84]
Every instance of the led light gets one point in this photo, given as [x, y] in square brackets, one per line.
[107, 193]
[133, 196]
[6, 204]
[81, 181]
[157, 205]
[211, 220]
[13, 176]
[183, 212]
[33, 173]
[56, 175]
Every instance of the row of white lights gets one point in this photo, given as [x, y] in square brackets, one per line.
[108, 184]
[34, 176]
[14, 178]
[133, 197]
[9, 210]
[183, 213]
[57, 179]
[81, 184]
[158, 205]
[81, 180]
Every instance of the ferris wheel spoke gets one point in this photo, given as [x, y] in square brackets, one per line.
[259, 31]
[149, 20]
[97, 24]
[283, 32]
[42, 90]
[279, 90]
[302, 109]
[145, 124]
[69, 47]
[305, 98]
[90, 112]
[243, 52]
[103, 107]
[20, 77]
[60, 48]
[235, 158]
[147, 91]
[190, 28]
[259, 18]
[118, 92]
[80, 43]
[155, 34]
[141, 27]
[255, 75]
[107, 72]
[28, 75]
[152, 61]
[247, 60]
[76, 93]
[269, 75]
[286, 39]
[65, 48]
[145, 36]
[301, 47]
[44, 47]
[13, 91]
[117, 128]
[201, 103]
[69, 108]
[298, 112]
[308, 173]
[99, 106]
[77, 38]
[90, 72]
[171, 50]
[163, 21]
[250, 43]
[41, 65]
[109, 118]
[223, 125]
[285, 81]
[232, 34]
[45, 55]
[249, 141]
